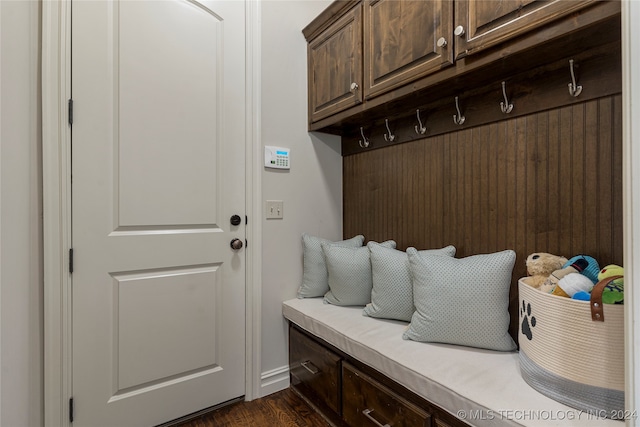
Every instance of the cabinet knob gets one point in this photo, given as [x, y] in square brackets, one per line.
[354, 86]
[442, 42]
[459, 31]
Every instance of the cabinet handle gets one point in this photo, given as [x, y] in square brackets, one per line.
[442, 42]
[310, 368]
[354, 86]
[459, 31]
[367, 413]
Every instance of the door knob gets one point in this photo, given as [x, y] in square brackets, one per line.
[235, 220]
[236, 244]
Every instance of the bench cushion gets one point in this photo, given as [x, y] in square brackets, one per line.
[486, 386]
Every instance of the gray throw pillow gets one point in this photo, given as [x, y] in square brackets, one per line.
[349, 274]
[462, 301]
[314, 275]
[392, 291]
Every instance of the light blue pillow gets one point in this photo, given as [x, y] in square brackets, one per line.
[314, 275]
[349, 274]
[392, 291]
[462, 301]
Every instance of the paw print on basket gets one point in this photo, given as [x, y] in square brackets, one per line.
[526, 325]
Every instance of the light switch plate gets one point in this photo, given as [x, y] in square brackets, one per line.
[275, 209]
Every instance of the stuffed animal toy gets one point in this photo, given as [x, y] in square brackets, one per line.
[614, 292]
[591, 271]
[551, 285]
[582, 296]
[573, 283]
[540, 265]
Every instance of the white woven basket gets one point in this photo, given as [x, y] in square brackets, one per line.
[569, 357]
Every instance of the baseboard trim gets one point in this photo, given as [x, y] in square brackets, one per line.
[274, 380]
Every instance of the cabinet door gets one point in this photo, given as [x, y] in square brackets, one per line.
[366, 402]
[335, 66]
[315, 371]
[488, 22]
[401, 41]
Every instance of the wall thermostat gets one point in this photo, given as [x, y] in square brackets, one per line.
[276, 157]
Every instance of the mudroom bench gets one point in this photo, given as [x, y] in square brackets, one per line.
[358, 371]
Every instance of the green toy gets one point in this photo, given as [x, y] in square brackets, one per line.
[614, 292]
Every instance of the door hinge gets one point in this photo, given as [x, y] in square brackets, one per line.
[71, 408]
[70, 111]
[246, 219]
[71, 260]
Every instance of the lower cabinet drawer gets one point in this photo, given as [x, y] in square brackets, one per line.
[315, 371]
[365, 402]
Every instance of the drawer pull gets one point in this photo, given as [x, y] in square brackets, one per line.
[310, 367]
[367, 413]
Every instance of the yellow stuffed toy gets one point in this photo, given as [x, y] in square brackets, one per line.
[540, 265]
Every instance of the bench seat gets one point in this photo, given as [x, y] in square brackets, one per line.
[481, 387]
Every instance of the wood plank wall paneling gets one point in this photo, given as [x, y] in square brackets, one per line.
[544, 182]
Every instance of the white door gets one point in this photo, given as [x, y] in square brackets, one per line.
[158, 145]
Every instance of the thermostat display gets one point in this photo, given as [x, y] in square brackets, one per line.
[276, 157]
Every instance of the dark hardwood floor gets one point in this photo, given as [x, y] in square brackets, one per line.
[281, 409]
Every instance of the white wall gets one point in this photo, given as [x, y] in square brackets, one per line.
[631, 183]
[21, 293]
[311, 190]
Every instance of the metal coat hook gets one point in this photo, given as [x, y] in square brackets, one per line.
[389, 137]
[364, 142]
[458, 118]
[505, 106]
[420, 129]
[574, 89]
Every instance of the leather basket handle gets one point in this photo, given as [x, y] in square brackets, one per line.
[597, 312]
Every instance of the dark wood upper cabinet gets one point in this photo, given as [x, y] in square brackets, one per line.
[401, 41]
[484, 23]
[369, 60]
[335, 66]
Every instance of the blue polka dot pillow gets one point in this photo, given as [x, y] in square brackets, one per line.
[462, 301]
[349, 274]
[314, 270]
[392, 291]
